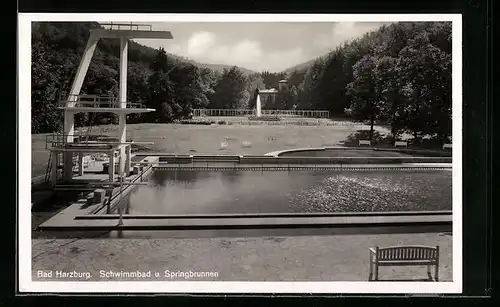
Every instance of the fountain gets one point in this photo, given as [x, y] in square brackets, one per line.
[258, 107]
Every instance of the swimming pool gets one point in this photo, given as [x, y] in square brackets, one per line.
[221, 192]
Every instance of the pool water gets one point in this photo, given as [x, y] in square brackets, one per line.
[219, 192]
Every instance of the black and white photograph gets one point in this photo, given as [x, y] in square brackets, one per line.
[240, 153]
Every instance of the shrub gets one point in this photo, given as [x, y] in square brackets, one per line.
[265, 118]
[196, 122]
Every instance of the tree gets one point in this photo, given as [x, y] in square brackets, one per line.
[252, 103]
[281, 99]
[388, 87]
[229, 92]
[271, 80]
[365, 99]
[309, 85]
[331, 84]
[160, 89]
[269, 103]
[137, 89]
[177, 88]
[426, 73]
[292, 98]
[188, 90]
[296, 77]
[208, 82]
[44, 91]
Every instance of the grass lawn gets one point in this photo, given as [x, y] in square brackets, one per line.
[201, 139]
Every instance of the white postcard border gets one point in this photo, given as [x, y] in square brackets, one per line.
[26, 284]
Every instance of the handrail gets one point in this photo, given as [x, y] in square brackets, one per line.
[96, 101]
[86, 97]
[127, 26]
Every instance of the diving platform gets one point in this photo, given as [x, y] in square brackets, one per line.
[80, 143]
[130, 30]
[95, 103]
[67, 147]
[132, 34]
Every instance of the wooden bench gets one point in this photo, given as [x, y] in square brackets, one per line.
[408, 255]
[445, 146]
[401, 144]
[365, 142]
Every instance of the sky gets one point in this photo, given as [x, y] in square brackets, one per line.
[259, 46]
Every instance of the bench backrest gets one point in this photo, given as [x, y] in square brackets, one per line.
[407, 253]
[447, 146]
[364, 142]
[400, 143]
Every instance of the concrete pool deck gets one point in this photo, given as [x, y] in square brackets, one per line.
[299, 258]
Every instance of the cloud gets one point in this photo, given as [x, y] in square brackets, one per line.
[283, 59]
[246, 51]
[200, 42]
[345, 31]
[271, 46]
[205, 47]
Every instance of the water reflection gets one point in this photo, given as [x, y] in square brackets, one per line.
[193, 192]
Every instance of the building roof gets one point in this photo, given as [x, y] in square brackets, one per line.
[283, 81]
[273, 90]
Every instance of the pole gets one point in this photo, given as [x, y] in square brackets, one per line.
[120, 222]
[108, 206]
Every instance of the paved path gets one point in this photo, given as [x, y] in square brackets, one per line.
[301, 258]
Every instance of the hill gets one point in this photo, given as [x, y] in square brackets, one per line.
[73, 35]
[171, 84]
[219, 68]
[300, 67]
[215, 67]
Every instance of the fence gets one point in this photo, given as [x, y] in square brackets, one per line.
[248, 112]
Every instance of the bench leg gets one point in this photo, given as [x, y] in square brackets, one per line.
[376, 272]
[429, 272]
[436, 272]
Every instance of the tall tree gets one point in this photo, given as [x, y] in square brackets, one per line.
[229, 93]
[160, 89]
[365, 100]
[331, 84]
[388, 87]
[293, 98]
[309, 85]
[426, 71]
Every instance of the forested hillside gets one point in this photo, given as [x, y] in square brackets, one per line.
[181, 83]
[399, 74]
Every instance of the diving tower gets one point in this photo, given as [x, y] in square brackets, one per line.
[68, 144]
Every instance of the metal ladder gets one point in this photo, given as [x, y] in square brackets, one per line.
[49, 168]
